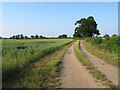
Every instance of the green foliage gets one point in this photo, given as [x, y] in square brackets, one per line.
[112, 44]
[86, 27]
[114, 35]
[99, 51]
[94, 40]
[108, 43]
[106, 36]
[62, 36]
[76, 34]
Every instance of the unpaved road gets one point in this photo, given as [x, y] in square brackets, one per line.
[74, 75]
[110, 71]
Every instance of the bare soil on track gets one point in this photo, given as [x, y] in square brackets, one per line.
[74, 75]
[110, 71]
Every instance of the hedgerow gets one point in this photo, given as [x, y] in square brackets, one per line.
[111, 44]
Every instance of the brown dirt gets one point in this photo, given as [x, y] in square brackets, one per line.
[110, 71]
[74, 75]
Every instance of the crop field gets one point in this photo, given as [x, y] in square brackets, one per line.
[17, 55]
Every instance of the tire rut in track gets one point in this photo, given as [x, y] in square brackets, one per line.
[110, 71]
[74, 75]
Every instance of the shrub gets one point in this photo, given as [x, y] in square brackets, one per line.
[95, 40]
[112, 44]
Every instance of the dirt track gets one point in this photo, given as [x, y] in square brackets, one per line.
[74, 75]
[110, 71]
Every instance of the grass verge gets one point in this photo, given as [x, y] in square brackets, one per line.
[95, 73]
[111, 58]
[43, 73]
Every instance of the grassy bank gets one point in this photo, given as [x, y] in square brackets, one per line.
[41, 72]
[111, 58]
[95, 73]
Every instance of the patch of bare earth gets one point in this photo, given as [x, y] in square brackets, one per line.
[74, 75]
[110, 71]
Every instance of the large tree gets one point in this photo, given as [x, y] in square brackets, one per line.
[86, 27]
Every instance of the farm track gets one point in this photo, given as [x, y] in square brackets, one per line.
[110, 71]
[74, 75]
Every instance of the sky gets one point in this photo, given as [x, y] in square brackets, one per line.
[51, 19]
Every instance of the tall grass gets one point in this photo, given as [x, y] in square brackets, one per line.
[20, 55]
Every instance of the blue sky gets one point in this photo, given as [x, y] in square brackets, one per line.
[54, 18]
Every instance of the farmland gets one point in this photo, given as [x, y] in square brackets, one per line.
[36, 63]
[19, 57]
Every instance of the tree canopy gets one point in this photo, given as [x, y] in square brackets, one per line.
[86, 27]
[62, 36]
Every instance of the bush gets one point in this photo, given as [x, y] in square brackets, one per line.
[95, 40]
[112, 44]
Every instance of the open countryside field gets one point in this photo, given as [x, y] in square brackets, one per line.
[37, 63]
[18, 55]
[60, 45]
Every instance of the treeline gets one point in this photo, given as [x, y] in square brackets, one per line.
[106, 42]
[21, 36]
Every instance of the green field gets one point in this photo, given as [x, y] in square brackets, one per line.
[19, 55]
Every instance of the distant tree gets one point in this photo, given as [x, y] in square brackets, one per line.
[41, 36]
[36, 36]
[0, 37]
[21, 36]
[16, 37]
[62, 36]
[86, 27]
[13, 37]
[26, 37]
[32, 37]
